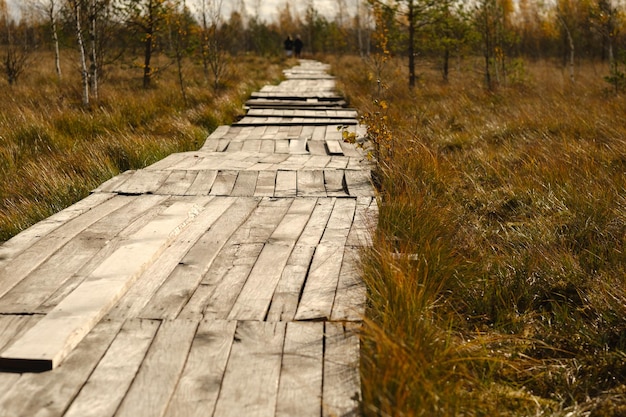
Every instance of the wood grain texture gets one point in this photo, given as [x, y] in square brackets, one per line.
[200, 383]
[67, 263]
[187, 275]
[54, 337]
[108, 384]
[50, 393]
[342, 387]
[19, 266]
[250, 385]
[255, 297]
[156, 380]
[300, 389]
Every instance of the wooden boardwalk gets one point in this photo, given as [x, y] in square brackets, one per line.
[221, 282]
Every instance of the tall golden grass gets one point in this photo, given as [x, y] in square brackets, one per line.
[53, 151]
[497, 275]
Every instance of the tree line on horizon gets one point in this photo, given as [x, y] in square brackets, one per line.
[501, 32]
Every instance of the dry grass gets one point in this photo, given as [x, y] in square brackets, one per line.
[513, 203]
[52, 151]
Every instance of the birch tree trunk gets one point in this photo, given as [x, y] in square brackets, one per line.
[75, 4]
[52, 16]
[93, 42]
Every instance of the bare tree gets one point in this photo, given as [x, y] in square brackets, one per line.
[76, 9]
[17, 48]
[148, 16]
[51, 10]
[214, 57]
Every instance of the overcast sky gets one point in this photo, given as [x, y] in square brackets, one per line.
[268, 8]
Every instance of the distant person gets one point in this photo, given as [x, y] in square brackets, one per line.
[297, 45]
[289, 46]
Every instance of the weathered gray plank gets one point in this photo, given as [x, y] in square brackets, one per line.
[183, 281]
[359, 183]
[334, 148]
[349, 304]
[298, 146]
[310, 183]
[224, 183]
[114, 183]
[286, 184]
[177, 183]
[18, 267]
[107, 386]
[30, 236]
[50, 393]
[197, 392]
[342, 388]
[223, 282]
[300, 389]
[45, 345]
[287, 294]
[203, 183]
[143, 182]
[147, 285]
[65, 264]
[152, 388]
[265, 184]
[245, 185]
[256, 295]
[250, 384]
[333, 181]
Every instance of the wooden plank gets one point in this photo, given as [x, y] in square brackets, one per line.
[267, 146]
[55, 336]
[12, 326]
[333, 181]
[342, 388]
[365, 220]
[166, 163]
[108, 384]
[310, 183]
[199, 386]
[17, 268]
[265, 184]
[223, 282]
[183, 281]
[22, 241]
[66, 263]
[250, 384]
[252, 145]
[298, 146]
[281, 146]
[359, 183]
[203, 183]
[333, 147]
[300, 389]
[321, 284]
[287, 294]
[154, 385]
[50, 393]
[143, 182]
[245, 185]
[255, 297]
[139, 296]
[319, 133]
[114, 183]
[177, 183]
[286, 184]
[317, 148]
[349, 304]
[224, 183]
